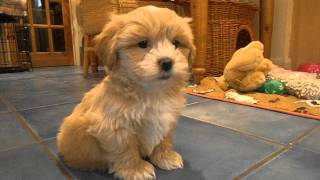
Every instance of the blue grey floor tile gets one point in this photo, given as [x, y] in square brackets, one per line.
[209, 153]
[194, 99]
[67, 78]
[29, 86]
[80, 175]
[42, 72]
[83, 86]
[312, 142]
[3, 108]
[37, 86]
[17, 76]
[28, 162]
[280, 127]
[12, 134]
[5, 85]
[46, 121]
[57, 71]
[216, 153]
[34, 100]
[293, 165]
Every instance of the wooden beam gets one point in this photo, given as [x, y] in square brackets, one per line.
[266, 25]
[32, 32]
[50, 38]
[47, 26]
[199, 13]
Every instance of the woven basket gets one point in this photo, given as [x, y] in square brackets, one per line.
[94, 14]
[230, 27]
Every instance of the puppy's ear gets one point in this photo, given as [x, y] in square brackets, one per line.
[106, 44]
[188, 20]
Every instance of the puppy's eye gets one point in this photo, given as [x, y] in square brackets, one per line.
[176, 44]
[143, 44]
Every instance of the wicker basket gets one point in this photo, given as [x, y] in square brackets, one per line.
[93, 14]
[230, 28]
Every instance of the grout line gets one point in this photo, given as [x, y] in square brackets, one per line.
[37, 138]
[51, 105]
[262, 162]
[193, 103]
[306, 149]
[310, 132]
[49, 139]
[19, 146]
[238, 131]
[303, 135]
[274, 155]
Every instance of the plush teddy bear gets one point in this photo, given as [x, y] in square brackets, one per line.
[247, 69]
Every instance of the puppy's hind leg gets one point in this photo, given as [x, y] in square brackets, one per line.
[79, 149]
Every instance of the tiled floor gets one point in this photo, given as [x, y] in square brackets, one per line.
[218, 140]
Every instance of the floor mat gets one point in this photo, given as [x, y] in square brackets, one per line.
[280, 103]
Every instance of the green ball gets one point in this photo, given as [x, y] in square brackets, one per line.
[273, 87]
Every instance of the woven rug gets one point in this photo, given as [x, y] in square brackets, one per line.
[208, 88]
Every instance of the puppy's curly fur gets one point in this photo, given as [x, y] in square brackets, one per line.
[132, 113]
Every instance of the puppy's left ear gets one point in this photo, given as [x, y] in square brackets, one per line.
[106, 44]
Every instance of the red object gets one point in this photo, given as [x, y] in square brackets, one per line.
[310, 68]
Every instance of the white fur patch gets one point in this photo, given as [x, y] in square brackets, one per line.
[158, 121]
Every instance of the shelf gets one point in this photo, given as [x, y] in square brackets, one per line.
[11, 10]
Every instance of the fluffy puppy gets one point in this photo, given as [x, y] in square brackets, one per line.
[132, 113]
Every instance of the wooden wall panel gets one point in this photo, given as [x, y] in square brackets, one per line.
[305, 37]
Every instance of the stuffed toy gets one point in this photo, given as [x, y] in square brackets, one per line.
[247, 69]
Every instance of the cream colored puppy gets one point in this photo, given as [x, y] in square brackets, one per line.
[132, 113]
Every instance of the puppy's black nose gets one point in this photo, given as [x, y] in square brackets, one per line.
[165, 64]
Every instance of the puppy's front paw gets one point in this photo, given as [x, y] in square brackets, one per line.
[140, 171]
[167, 160]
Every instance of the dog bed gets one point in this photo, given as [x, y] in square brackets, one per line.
[300, 84]
[289, 104]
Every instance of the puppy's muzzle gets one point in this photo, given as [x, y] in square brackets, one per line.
[165, 64]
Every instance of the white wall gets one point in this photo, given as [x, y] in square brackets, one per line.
[305, 36]
[76, 32]
[282, 25]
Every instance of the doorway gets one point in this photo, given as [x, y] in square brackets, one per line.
[50, 29]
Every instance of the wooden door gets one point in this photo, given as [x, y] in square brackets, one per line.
[49, 22]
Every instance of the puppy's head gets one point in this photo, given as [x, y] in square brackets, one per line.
[147, 45]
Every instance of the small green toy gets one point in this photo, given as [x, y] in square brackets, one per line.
[273, 87]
